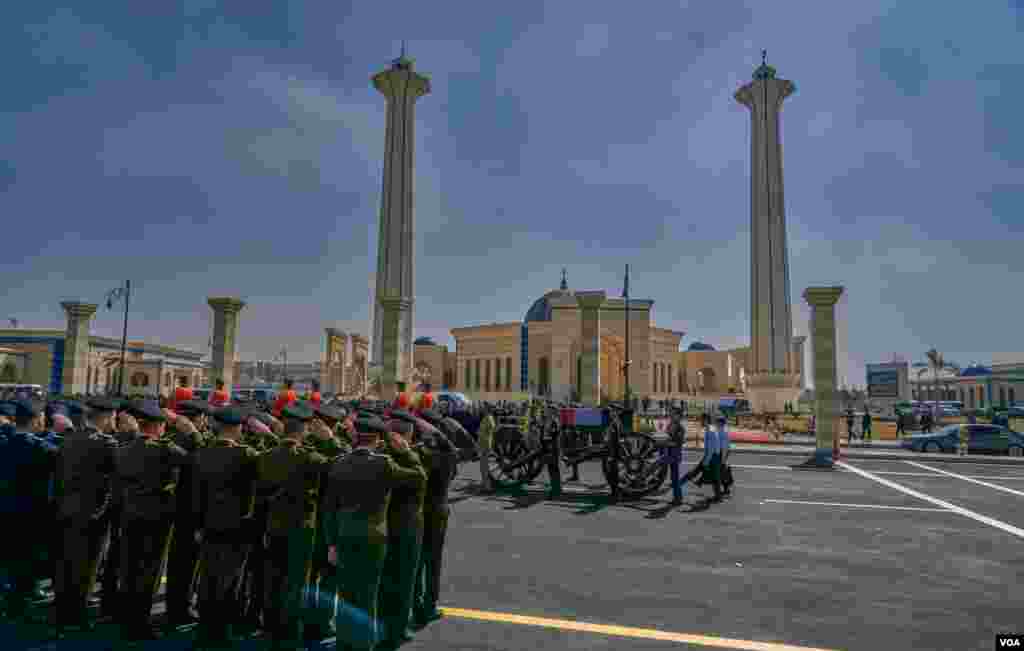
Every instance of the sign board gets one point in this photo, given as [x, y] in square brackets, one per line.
[883, 384]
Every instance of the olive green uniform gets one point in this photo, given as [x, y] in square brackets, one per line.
[323, 581]
[405, 541]
[223, 501]
[253, 584]
[289, 477]
[85, 464]
[183, 557]
[356, 522]
[439, 459]
[146, 479]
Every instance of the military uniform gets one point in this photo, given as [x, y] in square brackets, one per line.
[183, 556]
[253, 584]
[289, 479]
[405, 542]
[147, 473]
[85, 465]
[27, 465]
[223, 505]
[440, 458]
[359, 492]
[323, 585]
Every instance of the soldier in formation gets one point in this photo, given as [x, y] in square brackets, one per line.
[327, 520]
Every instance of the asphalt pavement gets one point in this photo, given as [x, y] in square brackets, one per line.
[878, 555]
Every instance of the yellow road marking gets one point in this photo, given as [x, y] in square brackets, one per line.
[622, 631]
[625, 631]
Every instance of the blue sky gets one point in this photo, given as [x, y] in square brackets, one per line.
[235, 148]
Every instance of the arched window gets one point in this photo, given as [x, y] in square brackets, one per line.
[497, 374]
[476, 373]
[469, 374]
[508, 374]
[1002, 396]
[669, 378]
[681, 382]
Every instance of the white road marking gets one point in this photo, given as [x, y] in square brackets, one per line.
[966, 478]
[892, 473]
[992, 522]
[859, 506]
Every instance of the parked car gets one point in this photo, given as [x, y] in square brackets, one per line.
[982, 439]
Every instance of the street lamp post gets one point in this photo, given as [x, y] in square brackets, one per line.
[113, 296]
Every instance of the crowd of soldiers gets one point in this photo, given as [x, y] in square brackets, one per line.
[322, 520]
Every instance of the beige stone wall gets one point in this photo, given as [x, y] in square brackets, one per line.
[488, 348]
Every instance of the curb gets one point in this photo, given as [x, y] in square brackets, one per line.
[807, 452]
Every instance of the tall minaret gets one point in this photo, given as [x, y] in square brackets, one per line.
[771, 321]
[394, 287]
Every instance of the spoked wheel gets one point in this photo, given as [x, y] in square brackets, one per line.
[640, 472]
[506, 452]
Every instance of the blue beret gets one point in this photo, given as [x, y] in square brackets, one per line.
[298, 411]
[229, 416]
[25, 409]
[74, 408]
[147, 410]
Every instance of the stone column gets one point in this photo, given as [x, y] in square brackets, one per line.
[225, 332]
[76, 346]
[396, 364]
[590, 343]
[823, 347]
[401, 86]
[331, 375]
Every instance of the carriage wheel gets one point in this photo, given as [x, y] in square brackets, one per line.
[506, 451]
[640, 470]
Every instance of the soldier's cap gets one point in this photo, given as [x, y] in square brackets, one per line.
[25, 409]
[193, 408]
[298, 411]
[56, 407]
[432, 416]
[74, 408]
[331, 412]
[229, 416]
[8, 409]
[370, 427]
[261, 416]
[147, 410]
[400, 426]
[402, 414]
[102, 403]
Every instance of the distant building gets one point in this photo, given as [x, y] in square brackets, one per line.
[150, 369]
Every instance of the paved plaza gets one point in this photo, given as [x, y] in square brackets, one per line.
[884, 554]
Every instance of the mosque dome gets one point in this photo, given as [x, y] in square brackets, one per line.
[975, 371]
[541, 308]
[700, 345]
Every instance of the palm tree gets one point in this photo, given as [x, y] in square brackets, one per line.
[937, 362]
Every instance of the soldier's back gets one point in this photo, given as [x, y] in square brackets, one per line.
[85, 464]
[289, 477]
[227, 472]
[147, 477]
